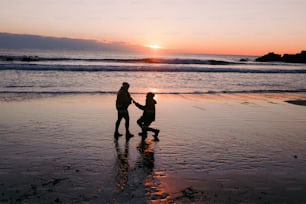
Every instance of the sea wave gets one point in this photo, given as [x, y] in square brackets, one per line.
[163, 93]
[133, 68]
[9, 58]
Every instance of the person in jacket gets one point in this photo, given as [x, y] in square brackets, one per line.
[123, 101]
[148, 116]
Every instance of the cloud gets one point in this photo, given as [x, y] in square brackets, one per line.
[23, 41]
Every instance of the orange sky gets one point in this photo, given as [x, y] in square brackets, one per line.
[252, 27]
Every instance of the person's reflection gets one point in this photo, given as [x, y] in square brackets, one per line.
[147, 173]
[146, 159]
[123, 167]
[138, 179]
[145, 168]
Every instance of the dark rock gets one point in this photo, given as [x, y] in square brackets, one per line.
[297, 58]
[270, 57]
[54, 181]
[244, 60]
[9, 59]
[291, 58]
[34, 187]
[29, 58]
[189, 193]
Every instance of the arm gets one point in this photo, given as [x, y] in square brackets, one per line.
[139, 105]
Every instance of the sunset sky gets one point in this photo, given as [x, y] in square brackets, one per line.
[196, 26]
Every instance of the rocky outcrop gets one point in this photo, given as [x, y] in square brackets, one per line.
[292, 58]
[297, 58]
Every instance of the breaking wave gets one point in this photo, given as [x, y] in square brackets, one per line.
[9, 58]
[170, 93]
[135, 68]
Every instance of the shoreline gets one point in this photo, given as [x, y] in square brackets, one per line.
[222, 148]
[285, 96]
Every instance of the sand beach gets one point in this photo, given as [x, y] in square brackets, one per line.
[213, 148]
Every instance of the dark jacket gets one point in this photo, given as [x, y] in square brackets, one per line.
[148, 109]
[124, 99]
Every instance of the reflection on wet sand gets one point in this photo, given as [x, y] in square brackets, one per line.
[146, 157]
[139, 182]
[145, 166]
[123, 167]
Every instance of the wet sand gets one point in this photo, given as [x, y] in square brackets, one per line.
[234, 148]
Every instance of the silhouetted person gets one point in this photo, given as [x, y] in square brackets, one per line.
[123, 101]
[148, 116]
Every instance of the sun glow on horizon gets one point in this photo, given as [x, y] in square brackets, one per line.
[153, 46]
[155, 91]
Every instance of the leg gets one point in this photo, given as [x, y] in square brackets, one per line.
[143, 127]
[141, 124]
[127, 123]
[156, 131]
[120, 116]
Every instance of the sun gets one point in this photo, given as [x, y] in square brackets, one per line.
[153, 46]
[155, 91]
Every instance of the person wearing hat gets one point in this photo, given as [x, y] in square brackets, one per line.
[123, 101]
[148, 116]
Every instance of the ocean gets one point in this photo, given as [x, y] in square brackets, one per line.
[26, 72]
